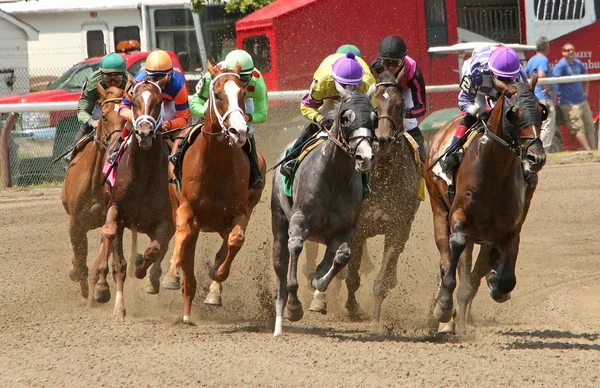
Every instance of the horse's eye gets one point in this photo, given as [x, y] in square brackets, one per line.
[219, 96]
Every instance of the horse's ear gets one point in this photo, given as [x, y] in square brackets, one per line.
[238, 68]
[371, 90]
[101, 89]
[211, 69]
[534, 81]
[348, 117]
[130, 83]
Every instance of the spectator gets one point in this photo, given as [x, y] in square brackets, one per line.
[572, 98]
[544, 93]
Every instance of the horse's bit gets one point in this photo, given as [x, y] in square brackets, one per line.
[224, 130]
[146, 118]
[364, 134]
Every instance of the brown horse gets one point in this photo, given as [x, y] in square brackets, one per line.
[139, 199]
[494, 186]
[214, 194]
[83, 195]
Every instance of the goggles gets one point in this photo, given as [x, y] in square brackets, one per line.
[245, 78]
[112, 77]
[392, 62]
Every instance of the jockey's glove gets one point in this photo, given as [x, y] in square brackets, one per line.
[483, 115]
[166, 125]
[326, 123]
[473, 109]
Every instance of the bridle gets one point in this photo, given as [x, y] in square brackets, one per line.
[393, 120]
[146, 118]
[104, 142]
[224, 134]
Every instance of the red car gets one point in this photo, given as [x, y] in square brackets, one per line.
[67, 88]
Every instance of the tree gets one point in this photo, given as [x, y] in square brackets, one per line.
[242, 6]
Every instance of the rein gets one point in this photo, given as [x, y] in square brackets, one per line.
[364, 134]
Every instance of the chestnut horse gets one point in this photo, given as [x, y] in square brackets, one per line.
[83, 195]
[139, 199]
[494, 186]
[214, 189]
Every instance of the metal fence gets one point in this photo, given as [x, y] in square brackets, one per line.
[45, 130]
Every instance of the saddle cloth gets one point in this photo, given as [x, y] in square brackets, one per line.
[437, 169]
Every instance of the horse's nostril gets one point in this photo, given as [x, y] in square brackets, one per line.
[232, 131]
[358, 157]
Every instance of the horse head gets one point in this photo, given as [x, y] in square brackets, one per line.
[147, 111]
[520, 115]
[354, 126]
[110, 120]
[226, 103]
[390, 107]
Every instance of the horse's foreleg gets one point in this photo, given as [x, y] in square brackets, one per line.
[353, 280]
[97, 278]
[503, 280]
[481, 268]
[341, 244]
[281, 259]
[185, 230]
[79, 243]
[297, 235]
[318, 303]
[119, 269]
[443, 300]
[235, 241]
[132, 254]
[387, 279]
[465, 293]
[160, 237]
[458, 242]
[214, 295]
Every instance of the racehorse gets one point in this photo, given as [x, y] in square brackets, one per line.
[494, 186]
[139, 199]
[214, 189]
[83, 195]
[327, 200]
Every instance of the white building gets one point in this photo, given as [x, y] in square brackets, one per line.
[13, 53]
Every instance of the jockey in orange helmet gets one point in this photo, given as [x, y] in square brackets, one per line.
[159, 69]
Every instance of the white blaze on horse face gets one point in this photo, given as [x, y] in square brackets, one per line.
[236, 119]
[146, 97]
[365, 151]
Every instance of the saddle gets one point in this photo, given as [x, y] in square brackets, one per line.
[288, 181]
[177, 157]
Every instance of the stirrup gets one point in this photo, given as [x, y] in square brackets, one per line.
[452, 160]
[287, 168]
[113, 157]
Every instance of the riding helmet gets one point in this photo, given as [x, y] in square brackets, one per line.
[113, 63]
[243, 58]
[347, 70]
[159, 62]
[504, 62]
[348, 48]
[392, 47]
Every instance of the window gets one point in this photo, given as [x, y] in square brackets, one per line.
[134, 68]
[95, 43]
[75, 76]
[559, 9]
[259, 48]
[126, 33]
[218, 31]
[437, 25]
[175, 31]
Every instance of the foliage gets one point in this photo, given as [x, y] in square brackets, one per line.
[242, 6]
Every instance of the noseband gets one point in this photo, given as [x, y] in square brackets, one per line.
[364, 134]
[224, 130]
[146, 118]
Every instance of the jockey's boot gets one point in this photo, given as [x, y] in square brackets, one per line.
[84, 130]
[113, 157]
[255, 177]
[287, 168]
[454, 157]
[418, 136]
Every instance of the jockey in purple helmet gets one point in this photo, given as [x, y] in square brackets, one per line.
[336, 72]
[478, 73]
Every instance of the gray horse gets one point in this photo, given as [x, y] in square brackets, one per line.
[392, 205]
[327, 200]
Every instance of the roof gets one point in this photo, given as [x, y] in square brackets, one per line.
[264, 16]
[32, 33]
[47, 6]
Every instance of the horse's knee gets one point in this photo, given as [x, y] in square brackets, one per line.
[458, 242]
[295, 245]
[342, 256]
[236, 239]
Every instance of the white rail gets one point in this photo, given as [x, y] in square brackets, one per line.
[295, 95]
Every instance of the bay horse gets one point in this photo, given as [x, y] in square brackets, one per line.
[138, 200]
[327, 200]
[214, 196]
[83, 195]
[494, 186]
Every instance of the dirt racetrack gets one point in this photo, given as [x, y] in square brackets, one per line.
[547, 335]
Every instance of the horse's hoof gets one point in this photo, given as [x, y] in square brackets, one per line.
[119, 314]
[102, 293]
[318, 305]
[447, 328]
[294, 312]
[355, 313]
[498, 297]
[153, 288]
[171, 282]
[442, 314]
[213, 300]
[85, 289]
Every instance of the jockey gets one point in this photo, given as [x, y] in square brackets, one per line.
[159, 69]
[478, 74]
[347, 48]
[256, 101]
[112, 72]
[391, 56]
[337, 71]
